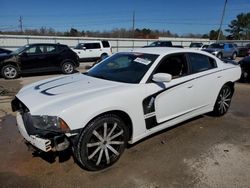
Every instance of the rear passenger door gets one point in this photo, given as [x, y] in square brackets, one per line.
[92, 50]
[204, 72]
[50, 56]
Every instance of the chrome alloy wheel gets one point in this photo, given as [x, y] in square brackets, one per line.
[9, 72]
[68, 68]
[224, 100]
[105, 144]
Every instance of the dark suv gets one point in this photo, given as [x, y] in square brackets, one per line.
[43, 57]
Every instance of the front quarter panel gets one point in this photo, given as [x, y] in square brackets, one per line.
[127, 99]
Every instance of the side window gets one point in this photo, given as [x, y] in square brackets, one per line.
[96, 46]
[199, 62]
[35, 50]
[105, 44]
[230, 46]
[88, 46]
[176, 65]
[50, 49]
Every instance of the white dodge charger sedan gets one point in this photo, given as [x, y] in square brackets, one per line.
[125, 98]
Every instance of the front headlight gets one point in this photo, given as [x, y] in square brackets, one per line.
[53, 123]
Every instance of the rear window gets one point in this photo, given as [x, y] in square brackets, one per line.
[62, 47]
[105, 44]
[199, 62]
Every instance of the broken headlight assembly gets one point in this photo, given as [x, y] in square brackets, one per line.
[52, 123]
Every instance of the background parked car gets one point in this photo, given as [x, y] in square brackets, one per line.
[163, 44]
[4, 51]
[38, 58]
[244, 51]
[198, 45]
[223, 50]
[245, 69]
[93, 50]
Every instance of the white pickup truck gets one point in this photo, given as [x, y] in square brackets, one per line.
[92, 50]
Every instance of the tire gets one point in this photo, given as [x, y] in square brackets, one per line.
[68, 67]
[219, 55]
[9, 71]
[244, 76]
[223, 101]
[234, 56]
[95, 152]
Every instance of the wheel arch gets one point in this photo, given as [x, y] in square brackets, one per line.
[231, 85]
[123, 115]
[68, 60]
[10, 63]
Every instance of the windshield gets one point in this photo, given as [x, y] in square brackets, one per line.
[17, 51]
[123, 67]
[216, 45]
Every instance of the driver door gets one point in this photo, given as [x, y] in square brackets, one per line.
[32, 58]
[171, 99]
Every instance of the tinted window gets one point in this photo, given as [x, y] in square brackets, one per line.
[176, 65]
[62, 47]
[96, 45]
[195, 45]
[47, 48]
[105, 44]
[34, 50]
[199, 62]
[92, 45]
[88, 46]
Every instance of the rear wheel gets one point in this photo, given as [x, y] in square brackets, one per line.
[223, 101]
[102, 142]
[234, 56]
[67, 67]
[9, 71]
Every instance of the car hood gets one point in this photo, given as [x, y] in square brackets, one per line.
[65, 88]
[5, 56]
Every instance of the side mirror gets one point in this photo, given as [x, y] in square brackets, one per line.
[84, 48]
[162, 77]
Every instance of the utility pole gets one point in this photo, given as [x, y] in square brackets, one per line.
[133, 27]
[21, 23]
[222, 18]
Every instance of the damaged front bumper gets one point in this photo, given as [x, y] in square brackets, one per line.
[43, 140]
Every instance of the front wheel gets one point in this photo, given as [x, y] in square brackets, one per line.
[9, 71]
[223, 101]
[102, 142]
[67, 67]
[219, 55]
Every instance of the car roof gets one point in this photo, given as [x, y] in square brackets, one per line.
[166, 50]
[91, 41]
[33, 44]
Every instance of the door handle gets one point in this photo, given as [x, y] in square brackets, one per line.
[190, 86]
[219, 76]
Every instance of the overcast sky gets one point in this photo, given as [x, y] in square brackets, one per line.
[178, 16]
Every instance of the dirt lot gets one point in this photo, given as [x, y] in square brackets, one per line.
[203, 152]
